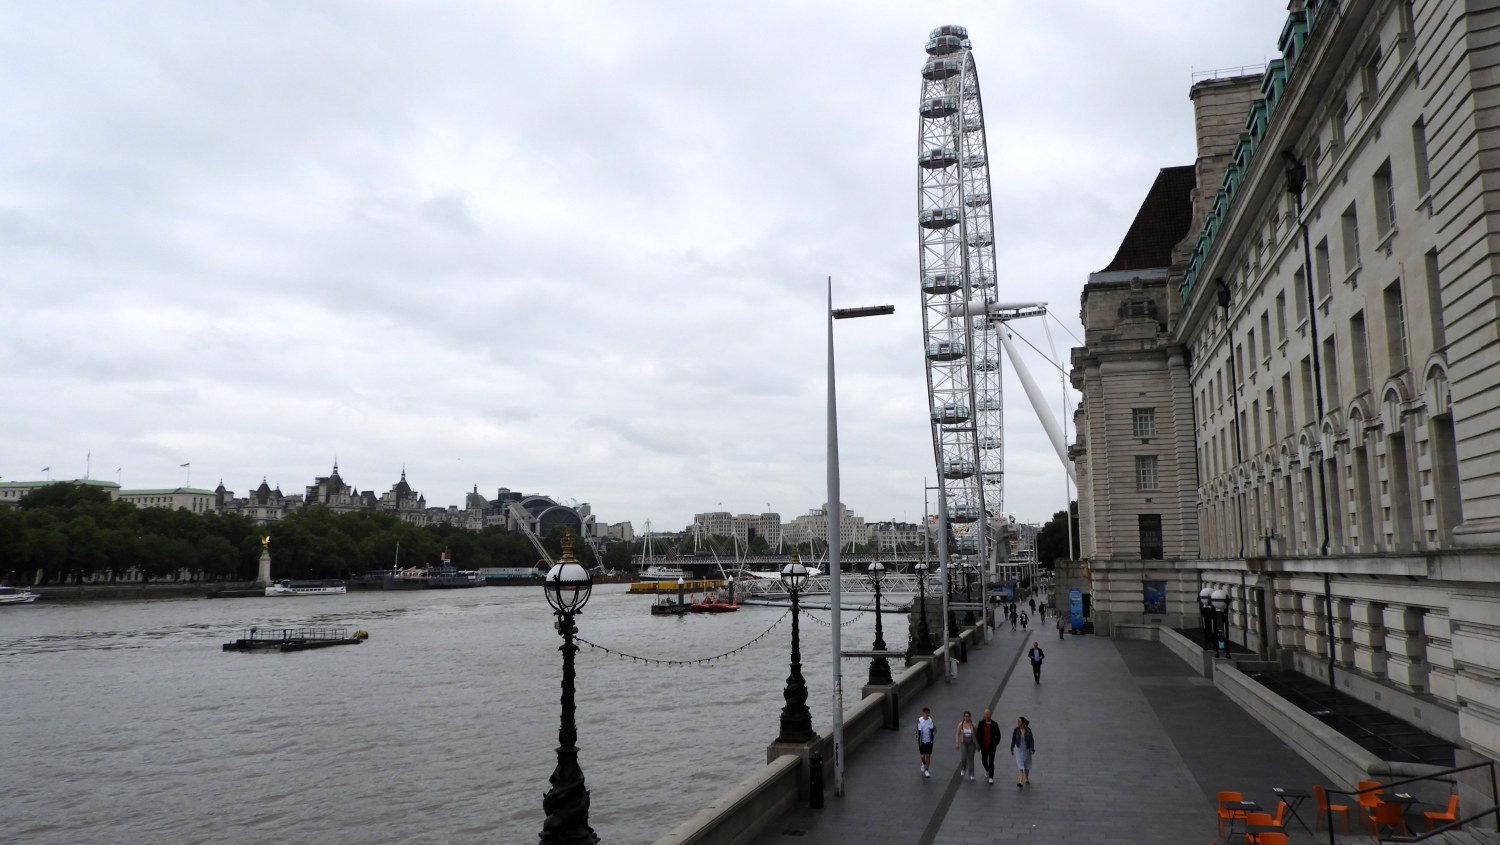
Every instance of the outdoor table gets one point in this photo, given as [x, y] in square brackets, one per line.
[1246, 807]
[1293, 799]
[1254, 829]
[1406, 801]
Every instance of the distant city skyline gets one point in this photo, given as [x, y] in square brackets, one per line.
[638, 527]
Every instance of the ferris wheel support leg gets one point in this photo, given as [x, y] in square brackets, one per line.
[1038, 404]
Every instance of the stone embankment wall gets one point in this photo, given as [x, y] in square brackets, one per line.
[741, 814]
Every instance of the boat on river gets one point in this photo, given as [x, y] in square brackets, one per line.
[294, 639]
[17, 595]
[666, 606]
[716, 602]
[441, 577]
[307, 588]
[512, 575]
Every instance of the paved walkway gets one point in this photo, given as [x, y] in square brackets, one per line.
[1131, 748]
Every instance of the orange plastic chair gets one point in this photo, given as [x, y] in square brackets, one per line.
[1449, 815]
[1326, 810]
[1388, 814]
[1260, 819]
[1272, 839]
[1227, 813]
[1280, 819]
[1368, 801]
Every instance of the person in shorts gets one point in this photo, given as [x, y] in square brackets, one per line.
[925, 731]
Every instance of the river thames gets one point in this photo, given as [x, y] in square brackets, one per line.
[124, 722]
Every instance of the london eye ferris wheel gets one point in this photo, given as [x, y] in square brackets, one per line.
[957, 267]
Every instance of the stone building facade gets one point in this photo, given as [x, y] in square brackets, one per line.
[1324, 370]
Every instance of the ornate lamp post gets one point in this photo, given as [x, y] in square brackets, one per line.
[880, 668]
[923, 643]
[796, 719]
[1220, 600]
[567, 587]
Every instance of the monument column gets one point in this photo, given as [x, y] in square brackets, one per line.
[263, 576]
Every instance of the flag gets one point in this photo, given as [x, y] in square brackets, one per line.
[46, 469]
[186, 464]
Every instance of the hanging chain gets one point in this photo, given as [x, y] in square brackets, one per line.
[700, 661]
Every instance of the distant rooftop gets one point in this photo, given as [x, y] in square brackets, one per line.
[1228, 72]
[1160, 224]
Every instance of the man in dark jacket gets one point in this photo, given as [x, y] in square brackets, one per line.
[987, 735]
[1036, 655]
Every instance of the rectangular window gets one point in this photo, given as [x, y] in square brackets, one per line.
[1250, 342]
[1395, 326]
[1349, 222]
[1370, 80]
[1255, 422]
[1435, 300]
[1145, 472]
[1385, 199]
[1281, 316]
[1419, 157]
[1309, 399]
[1289, 413]
[1359, 353]
[1330, 365]
[1299, 290]
[1322, 271]
[1271, 414]
[1265, 334]
[1143, 422]
[1150, 531]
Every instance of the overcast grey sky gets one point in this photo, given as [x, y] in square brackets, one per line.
[570, 248]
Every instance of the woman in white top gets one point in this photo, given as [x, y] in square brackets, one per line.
[964, 739]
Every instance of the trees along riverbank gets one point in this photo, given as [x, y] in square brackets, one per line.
[68, 533]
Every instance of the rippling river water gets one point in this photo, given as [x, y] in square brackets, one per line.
[124, 722]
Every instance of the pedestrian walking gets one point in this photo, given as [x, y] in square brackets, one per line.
[925, 732]
[987, 737]
[1060, 630]
[1022, 746]
[1013, 618]
[1032, 603]
[964, 741]
[1041, 613]
[1024, 620]
[1036, 656]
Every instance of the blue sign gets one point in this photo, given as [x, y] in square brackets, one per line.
[1075, 609]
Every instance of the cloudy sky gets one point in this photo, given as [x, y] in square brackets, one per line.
[569, 248]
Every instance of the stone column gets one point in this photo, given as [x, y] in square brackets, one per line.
[263, 577]
[1405, 647]
[1369, 637]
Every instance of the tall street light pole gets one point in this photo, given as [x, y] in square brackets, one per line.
[835, 517]
[567, 588]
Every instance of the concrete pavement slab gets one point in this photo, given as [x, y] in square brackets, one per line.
[1131, 747]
